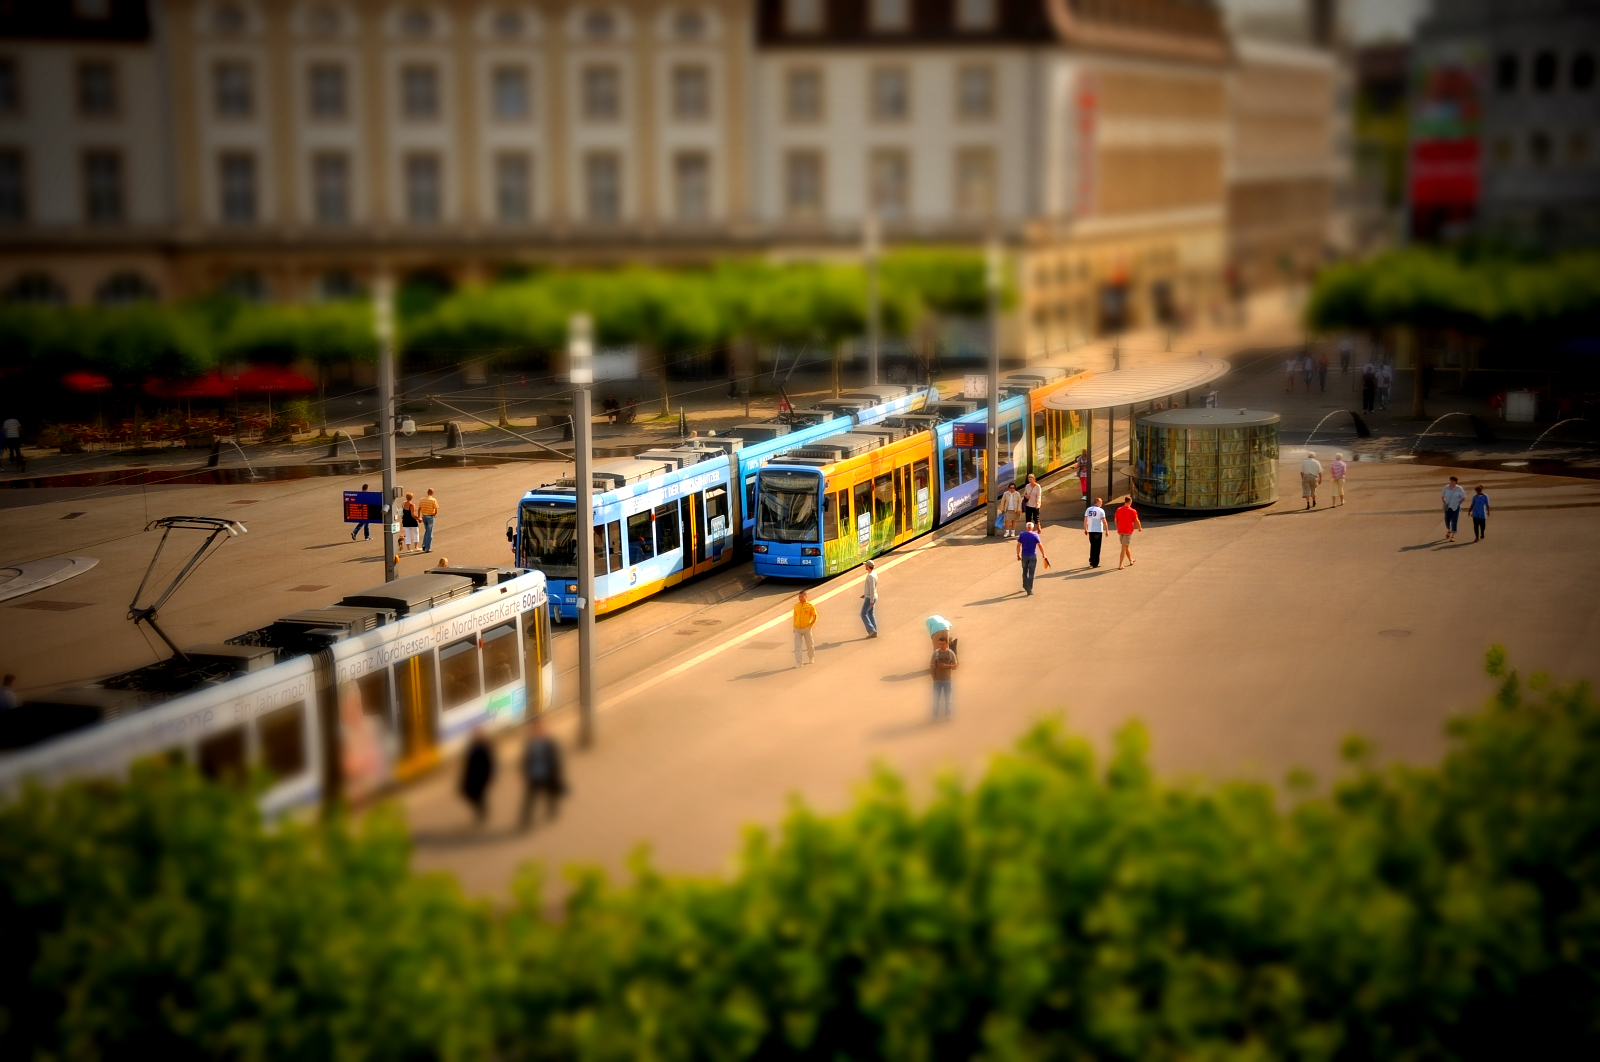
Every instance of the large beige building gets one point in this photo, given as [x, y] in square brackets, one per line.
[288, 149]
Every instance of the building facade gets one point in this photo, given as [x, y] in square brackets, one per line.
[289, 149]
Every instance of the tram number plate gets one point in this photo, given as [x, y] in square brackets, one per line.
[781, 560]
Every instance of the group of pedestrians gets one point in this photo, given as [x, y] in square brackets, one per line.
[1312, 366]
[1453, 496]
[540, 767]
[416, 522]
[1311, 479]
[1376, 380]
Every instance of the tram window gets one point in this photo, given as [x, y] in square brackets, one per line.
[668, 539]
[749, 497]
[882, 498]
[374, 687]
[458, 672]
[222, 755]
[1013, 435]
[919, 487]
[614, 554]
[863, 502]
[717, 512]
[641, 538]
[499, 656]
[830, 516]
[969, 464]
[282, 734]
[901, 476]
[952, 469]
[599, 549]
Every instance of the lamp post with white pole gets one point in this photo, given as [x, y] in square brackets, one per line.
[383, 326]
[870, 239]
[992, 435]
[580, 349]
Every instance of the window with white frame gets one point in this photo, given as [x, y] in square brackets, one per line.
[330, 187]
[691, 92]
[803, 16]
[688, 24]
[419, 91]
[891, 16]
[803, 95]
[602, 92]
[891, 94]
[327, 93]
[599, 25]
[416, 22]
[97, 89]
[13, 187]
[509, 89]
[102, 187]
[507, 23]
[424, 188]
[975, 14]
[975, 182]
[891, 183]
[602, 187]
[802, 184]
[232, 89]
[513, 192]
[236, 183]
[691, 174]
[975, 92]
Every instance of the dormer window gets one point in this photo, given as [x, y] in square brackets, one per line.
[508, 24]
[975, 14]
[416, 22]
[325, 21]
[228, 20]
[891, 16]
[689, 25]
[802, 16]
[599, 25]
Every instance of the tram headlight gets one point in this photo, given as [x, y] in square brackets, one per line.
[758, 548]
[810, 551]
[572, 588]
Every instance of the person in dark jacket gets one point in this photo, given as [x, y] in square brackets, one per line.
[541, 773]
[477, 772]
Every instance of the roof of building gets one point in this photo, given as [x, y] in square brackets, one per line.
[1209, 418]
[1146, 383]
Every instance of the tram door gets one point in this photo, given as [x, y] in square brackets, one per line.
[692, 512]
[416, 703]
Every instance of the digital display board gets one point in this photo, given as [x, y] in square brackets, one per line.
[363, 506]
[969, 436]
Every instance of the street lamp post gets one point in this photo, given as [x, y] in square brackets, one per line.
[383, 326]
[870, 238]
[992, 436]
[580, 348]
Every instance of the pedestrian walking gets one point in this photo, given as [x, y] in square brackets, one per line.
[541, 773]
[1128, 524]
[477, 772]
[1308, 365]
[1094, 526]
[364, 526]
[1030, 547]
[1322, 370]
[1369, 387]
[1480, 514]
[409, 524]
[805, 621]
[12, 429]
[1288, 373]
[1011, 509]
[1344, 356]
[1085, 466]
[1385, 383]
[869, 600]
[941, 667]
[1310, 479]
[1032, 498]
[427, 509]
[8, 693]
[1452, 496]
[1337, 470]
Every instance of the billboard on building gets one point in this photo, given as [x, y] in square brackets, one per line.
[1445, 157]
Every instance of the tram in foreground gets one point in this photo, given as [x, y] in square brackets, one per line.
[825, 506]
[670, 514]
[331, 702]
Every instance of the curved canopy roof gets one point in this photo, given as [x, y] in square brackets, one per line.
[1130, 387]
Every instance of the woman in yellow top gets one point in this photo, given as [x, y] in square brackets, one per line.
[805, 618]
[428, 508]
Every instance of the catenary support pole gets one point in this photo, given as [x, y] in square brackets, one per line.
[580, 347]
[383, 325]
[992, 434]
[870, 238]
[1111, 446]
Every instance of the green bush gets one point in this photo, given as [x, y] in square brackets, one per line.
[1054, 909]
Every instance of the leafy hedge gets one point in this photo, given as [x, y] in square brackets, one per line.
[1054, 909]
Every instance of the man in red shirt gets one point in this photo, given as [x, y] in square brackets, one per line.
[1127, 523]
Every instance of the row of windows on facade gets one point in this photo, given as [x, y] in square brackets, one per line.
[889, 16]
[229, 20]
[239, 194]
[1542, 149]
[1544, 72]
[511, 92]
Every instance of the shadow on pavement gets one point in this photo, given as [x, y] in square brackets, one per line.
[1420, 545]
[764, 674]
[921, 672]
[904, 729]
[994, 600]
[467, 837]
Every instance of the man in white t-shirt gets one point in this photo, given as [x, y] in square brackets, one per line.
[1094, 525]
[1310, 477]
[13, 436]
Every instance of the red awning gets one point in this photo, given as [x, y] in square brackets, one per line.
[211, 385]
[275, 378]
[88, 382]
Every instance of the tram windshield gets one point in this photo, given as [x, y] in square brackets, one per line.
[786, 507]
[549, 538]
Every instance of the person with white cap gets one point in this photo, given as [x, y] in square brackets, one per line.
[869, 600]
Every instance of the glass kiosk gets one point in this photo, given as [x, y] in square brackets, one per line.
[1205, 459]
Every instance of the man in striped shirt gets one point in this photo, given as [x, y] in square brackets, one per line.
[428, 508]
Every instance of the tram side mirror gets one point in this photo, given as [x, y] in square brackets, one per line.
[511, 536]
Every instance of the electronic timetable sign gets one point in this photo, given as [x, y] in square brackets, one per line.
[363, 506]
[969, 436]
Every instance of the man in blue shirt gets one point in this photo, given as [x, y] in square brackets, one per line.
[1029, 549]
[1480, 514]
